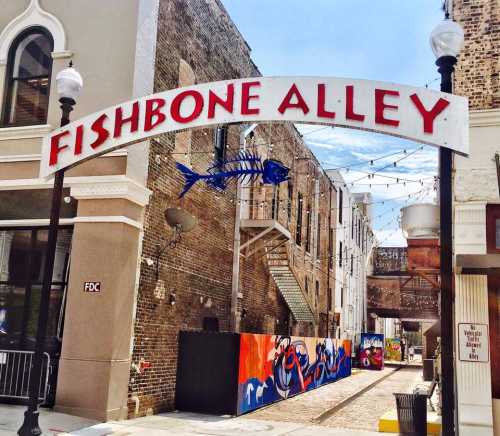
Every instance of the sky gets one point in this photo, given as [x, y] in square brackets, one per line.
[385, 40]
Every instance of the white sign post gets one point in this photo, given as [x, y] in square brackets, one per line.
[473, 342]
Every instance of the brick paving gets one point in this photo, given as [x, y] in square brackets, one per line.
[365, 411]
[304, 408]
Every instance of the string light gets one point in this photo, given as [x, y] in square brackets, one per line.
[370, 176]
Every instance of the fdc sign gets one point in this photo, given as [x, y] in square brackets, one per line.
[419, 114]
[92, 287]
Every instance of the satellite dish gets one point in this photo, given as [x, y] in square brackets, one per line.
[179, 219]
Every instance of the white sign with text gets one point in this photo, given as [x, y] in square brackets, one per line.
[473, 342]
[418, 114]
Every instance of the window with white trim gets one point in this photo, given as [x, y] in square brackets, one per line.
[27, 82]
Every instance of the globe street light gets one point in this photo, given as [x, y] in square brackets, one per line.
[446, 40]
[69, 84]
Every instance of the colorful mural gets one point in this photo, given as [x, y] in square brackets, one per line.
[371, 351]
[273, 368]
[393, 349]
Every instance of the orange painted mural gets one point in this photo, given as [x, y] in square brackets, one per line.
[272, 368]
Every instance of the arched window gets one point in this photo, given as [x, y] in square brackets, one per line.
[28, 79]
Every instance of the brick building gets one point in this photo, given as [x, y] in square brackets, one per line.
[114, 353]
[477, 216]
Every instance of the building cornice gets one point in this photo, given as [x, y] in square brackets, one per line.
[484, 118]
[37, 157]
[108, 219]
[89, 188]
[24, 132]
[42, 222]
[106, 187]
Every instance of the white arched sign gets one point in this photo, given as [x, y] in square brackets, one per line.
[419, 114]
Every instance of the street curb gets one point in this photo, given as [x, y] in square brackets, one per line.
[327, 413]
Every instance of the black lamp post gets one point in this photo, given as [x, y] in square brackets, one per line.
[446, 42]
[69, 85]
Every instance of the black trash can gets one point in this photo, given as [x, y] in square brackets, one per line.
[412, 414]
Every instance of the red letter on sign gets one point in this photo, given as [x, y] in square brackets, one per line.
[55, 148]
[102, 132]
[120, 121]
[287, 104]
[246, 97]
[79, 139]
[349, 110]
[322, 112]
[214, 100]
[429, 116]
[153, 110]
[380, 107]
[175, 108]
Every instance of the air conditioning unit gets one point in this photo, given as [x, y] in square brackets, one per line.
[420, 221]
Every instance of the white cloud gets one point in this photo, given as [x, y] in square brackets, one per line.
[340, 147]
[342, 138]
[391, 238]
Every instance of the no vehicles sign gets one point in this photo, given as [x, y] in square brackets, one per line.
[473, 342]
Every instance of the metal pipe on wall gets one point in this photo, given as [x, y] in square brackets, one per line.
[235, 284]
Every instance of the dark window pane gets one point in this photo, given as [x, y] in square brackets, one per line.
[33, 204]
[220, 141]
[32, 56]
[29, 101]
[22, 254]
[29, 70]
[210, 324]
[298, 233]
[341, 204]
[340, 255]
[497, 233]
[308, 229]
[318, 237]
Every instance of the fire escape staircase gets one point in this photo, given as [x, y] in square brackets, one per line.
[271, 239]
[289, 286]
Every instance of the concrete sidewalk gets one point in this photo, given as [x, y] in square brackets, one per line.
[188, 424]
[175, 423]
[11, 418]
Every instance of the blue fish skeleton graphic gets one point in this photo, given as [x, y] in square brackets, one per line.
[245, 166]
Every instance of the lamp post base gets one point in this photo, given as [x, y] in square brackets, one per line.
[30, 425]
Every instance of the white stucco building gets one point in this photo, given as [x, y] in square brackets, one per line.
[354, 243]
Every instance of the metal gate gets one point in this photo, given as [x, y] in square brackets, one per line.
[15, 374]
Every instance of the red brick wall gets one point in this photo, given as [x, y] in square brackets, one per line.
[477, 73]
[200, 267]
[423, 254]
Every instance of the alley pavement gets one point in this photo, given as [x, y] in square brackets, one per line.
[364, 411]
[348, 407]
[310, 406]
